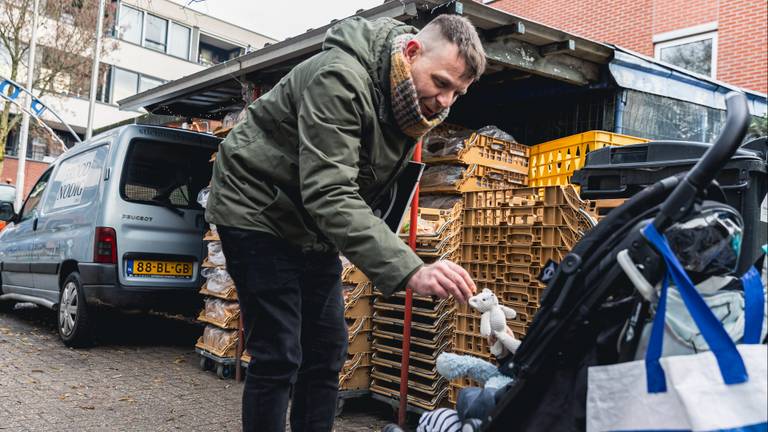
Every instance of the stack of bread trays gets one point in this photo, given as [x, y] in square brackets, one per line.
[438, 237]
[221, 310]
[355, 376]
[508, 237]
[462, 161]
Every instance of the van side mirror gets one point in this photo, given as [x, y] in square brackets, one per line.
[6, 212]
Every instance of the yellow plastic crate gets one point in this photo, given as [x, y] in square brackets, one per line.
[552, 163]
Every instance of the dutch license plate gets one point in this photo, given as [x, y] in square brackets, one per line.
[163, 269]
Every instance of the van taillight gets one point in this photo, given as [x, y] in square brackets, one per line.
[105, 246]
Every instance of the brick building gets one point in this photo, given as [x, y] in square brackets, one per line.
[723, 39]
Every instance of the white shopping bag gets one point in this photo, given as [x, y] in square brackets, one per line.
[725, 389]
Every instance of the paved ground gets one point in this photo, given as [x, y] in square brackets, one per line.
[143, 375]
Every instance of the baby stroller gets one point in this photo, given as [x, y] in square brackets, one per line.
[592, 313]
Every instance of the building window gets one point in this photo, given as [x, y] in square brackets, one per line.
[105, 83]
[689, 49]
[212, 51]
[146, 83]
[150, 31]
[129, 24]
[156, 33]
[126, 83]
[178, 43]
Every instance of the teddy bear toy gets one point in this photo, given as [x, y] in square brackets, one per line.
[474, 403]
[493, 321]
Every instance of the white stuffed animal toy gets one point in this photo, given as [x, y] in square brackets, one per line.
[493, 321]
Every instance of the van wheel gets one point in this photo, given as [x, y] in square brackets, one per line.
[7, 305]
[74, 316]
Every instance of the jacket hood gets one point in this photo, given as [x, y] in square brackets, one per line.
[370, 43]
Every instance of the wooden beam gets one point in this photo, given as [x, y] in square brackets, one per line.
[509, 52]
[563, 47]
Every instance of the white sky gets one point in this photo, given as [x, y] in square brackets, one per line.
[280, 19]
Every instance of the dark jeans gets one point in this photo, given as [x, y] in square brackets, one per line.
[293, 314]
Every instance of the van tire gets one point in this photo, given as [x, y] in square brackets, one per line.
[74, 320]
[7, 305]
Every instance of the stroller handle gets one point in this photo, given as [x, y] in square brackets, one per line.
[701, 175]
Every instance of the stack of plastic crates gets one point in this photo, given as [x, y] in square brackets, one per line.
[431, 334]
[438, 234]
[463, 161]
[438, 237]
[508, 237]
[355, 376]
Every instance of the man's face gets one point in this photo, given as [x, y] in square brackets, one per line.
[437, 75]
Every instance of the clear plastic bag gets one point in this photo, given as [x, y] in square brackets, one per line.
[439, 146]
[221, 310]
[443, 202]
[219, 339]
[216, 254]
[442, 175]
[218, 279]
[202, 196]
[495, 132]
[423, 227]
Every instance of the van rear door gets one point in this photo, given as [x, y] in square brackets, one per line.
[159, 237]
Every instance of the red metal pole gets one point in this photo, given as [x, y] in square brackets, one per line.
[413, 227]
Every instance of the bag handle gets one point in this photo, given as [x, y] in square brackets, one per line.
[754, 304]
[728, 358]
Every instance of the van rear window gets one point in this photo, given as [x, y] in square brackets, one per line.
[162, 173]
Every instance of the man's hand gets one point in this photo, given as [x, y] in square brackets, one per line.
[442, 279]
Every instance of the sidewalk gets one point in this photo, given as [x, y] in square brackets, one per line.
[142, 376]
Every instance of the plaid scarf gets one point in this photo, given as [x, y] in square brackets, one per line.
[405, 101]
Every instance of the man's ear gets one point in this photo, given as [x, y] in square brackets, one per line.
[413, 49]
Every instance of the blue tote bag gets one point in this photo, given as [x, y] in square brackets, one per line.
[725, 389]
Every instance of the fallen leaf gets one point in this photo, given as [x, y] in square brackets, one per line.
[127, 399]
[38, 371]
[87, 407]
[179, 360]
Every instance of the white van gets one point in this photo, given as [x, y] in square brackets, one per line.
[113, 222]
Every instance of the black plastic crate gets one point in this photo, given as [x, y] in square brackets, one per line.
[620, 172]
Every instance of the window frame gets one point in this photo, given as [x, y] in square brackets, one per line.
[141, 30]
[682, 40]
[170, 39]
[113, 82]
[144, 35]
[139, 75]
[169, 23]
[45, 177]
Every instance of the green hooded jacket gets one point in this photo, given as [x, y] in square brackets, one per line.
[314, 152]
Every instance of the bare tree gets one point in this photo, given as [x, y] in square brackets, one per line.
[66, 36]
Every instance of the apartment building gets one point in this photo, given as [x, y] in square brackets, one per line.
[721, 39]
[151, 42]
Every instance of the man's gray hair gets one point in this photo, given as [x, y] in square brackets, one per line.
[459, 31]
